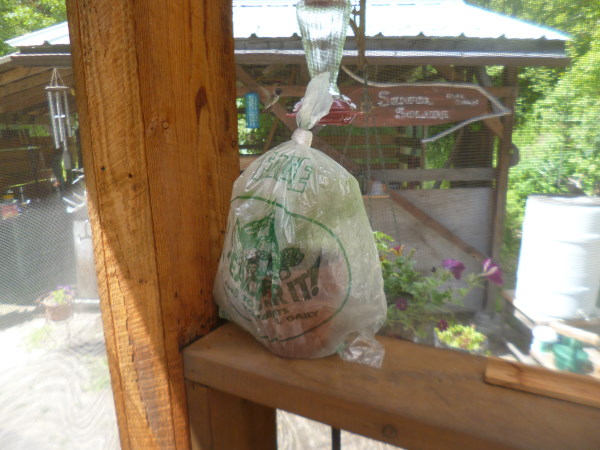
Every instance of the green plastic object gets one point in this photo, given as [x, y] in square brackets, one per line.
[569, 355]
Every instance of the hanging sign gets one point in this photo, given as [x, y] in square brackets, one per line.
[252, 110]
[412, 105]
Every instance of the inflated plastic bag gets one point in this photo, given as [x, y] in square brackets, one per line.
[299, 268]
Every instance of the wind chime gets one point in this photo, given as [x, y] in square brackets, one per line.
[58, 106]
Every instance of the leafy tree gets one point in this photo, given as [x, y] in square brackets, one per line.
[558, 126]
[559, 141]
[18, 17]
[578, 18]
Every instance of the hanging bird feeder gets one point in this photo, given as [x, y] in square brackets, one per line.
[323, 25]
[58, 107]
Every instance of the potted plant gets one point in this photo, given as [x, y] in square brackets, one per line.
[58, 304]
[417, 301]
[465, 338]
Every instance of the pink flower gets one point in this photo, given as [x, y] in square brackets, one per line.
[454, 266]
[397, 250]
[492, 272]
[401, 303]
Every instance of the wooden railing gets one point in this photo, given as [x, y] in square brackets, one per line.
[422, 397]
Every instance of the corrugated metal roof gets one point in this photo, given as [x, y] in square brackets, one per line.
[391, 18]
[54, 35]
[394, 18]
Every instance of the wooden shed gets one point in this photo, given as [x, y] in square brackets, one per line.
[156, 89]
[445, 42]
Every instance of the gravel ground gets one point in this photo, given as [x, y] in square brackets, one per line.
[55, 389]
[54, 384]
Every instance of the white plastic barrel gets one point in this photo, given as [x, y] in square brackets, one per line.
[559, 262]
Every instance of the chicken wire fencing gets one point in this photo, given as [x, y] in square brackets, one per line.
[386, 158]
[44, 230]
[54, 370]
[454, 188]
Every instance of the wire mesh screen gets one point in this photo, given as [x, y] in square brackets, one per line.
[56, 390]
[393, 158]
[453, 194]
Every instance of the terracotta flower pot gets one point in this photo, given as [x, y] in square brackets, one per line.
[58, 311]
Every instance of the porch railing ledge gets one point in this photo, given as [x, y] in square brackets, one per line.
[422, 397]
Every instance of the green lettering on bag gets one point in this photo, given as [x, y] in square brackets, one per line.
[293, 170]
[257, 265]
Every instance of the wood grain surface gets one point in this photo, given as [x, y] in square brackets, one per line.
[159, 137]
[573, 387]
[422, 397]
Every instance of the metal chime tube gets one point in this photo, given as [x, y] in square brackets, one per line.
[60, 117]
[50, 96]
[67, 114]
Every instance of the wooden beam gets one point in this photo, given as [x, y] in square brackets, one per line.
[403, 58]
[267, 145]
[159, 138]
[18, 73]
[581, 334]
[422, 397]
[385, 140]
[495, 125]
[510, 77]
[43, 59]
[223, 421]
[23, 119]
[411, 175]
[38, 81]
[29, 97]
[582, 389]
[246, 160]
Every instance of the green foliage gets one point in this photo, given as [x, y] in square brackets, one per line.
[558, 111]
[414, 297]
[251, 138]
[18, 17]
[578, 18]
[60, 295]
[98, 374]
[559, 142]
[37, 338]
[464, 337]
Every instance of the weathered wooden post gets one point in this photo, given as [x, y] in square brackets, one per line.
[156, 100]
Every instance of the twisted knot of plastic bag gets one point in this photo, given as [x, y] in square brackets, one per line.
[301, 136]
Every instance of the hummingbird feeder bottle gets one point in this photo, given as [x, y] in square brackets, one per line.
[323, 25]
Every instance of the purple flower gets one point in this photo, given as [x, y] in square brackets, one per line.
[401, 303]
[454, 266]
[492, 272]
[442, 325]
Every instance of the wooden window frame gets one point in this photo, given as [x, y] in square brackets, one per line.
[156, 93]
